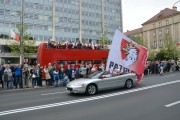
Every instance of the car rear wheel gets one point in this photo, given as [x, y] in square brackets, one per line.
[128, 84]
[91, 89]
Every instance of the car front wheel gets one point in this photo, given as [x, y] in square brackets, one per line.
[128, 84]
[91, 89]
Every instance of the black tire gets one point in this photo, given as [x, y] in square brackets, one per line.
[91, 89]
[128, 84]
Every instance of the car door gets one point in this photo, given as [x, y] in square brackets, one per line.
[120, 80]
[107, 83]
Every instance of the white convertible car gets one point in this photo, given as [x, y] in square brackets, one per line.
[100, 80]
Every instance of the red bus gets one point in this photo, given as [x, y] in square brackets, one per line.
[47, 55]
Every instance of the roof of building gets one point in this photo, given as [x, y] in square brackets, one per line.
[167, 12]
[133, 32]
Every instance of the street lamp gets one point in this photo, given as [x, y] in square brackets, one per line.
[53, 19]
[173, 33]
[80, 21]
[22, 34]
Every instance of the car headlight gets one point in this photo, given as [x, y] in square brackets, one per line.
[79, 84]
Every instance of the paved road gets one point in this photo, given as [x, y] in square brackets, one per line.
[155, 98]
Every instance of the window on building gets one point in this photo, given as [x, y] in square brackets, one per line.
[154, 25]
[154, 34]
[1, 11]
[2, 1]
[7, 2]
[167, 31]
[7, 13]
[160, 24]
[154, 44]
[160, 43]
[167, 22]
[160, 32]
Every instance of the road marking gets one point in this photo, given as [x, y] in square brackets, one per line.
[54, 93]
[168, 76]
[84, 100]
[172, 104]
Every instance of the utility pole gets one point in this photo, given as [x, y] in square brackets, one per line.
[53, 19]
[102, 19]
[22, 34]
[80, 22]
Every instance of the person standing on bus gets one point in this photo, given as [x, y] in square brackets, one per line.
[69, 72]
[50, 69]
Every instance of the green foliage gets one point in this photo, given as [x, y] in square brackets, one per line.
[104, 39]
[29, 44]
[138, 39]
[168, 50]
[151, 55]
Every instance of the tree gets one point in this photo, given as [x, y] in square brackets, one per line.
[152, 55]
[29, 43]
[138, 39]
[104, 39]
[169, 49]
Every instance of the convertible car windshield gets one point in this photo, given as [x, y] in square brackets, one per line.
[95, 74]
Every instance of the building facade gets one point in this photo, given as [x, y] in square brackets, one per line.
[167, 21]
[82, 20]
[69, 14]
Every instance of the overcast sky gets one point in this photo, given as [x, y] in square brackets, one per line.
[136, 12]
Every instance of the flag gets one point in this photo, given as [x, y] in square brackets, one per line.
[92, 45]
[67, 44]
[14, 36]
[126, 55]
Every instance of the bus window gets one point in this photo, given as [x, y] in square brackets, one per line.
[62, 62]
[97, 62]
[88, 61]
[72, 62]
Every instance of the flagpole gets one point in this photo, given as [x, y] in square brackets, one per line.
[21, 34]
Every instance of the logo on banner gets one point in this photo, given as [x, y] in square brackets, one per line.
[129, 52]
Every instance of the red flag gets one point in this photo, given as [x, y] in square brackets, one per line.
[67, 44]
[92, 45]
[14, 36]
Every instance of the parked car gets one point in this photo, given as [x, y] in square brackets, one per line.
[101, 80]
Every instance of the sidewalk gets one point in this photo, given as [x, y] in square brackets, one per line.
[43, 83]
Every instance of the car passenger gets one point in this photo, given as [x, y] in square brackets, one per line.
[107, 74]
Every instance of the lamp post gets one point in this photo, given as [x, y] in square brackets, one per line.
[102, 18]
[80, 21]
[53, 19]
[22, 34]
[173, 33]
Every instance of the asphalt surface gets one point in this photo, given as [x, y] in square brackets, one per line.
[155, 98]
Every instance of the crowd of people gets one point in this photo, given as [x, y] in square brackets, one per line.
[159, 67]
[16, 76]
[79, 45]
